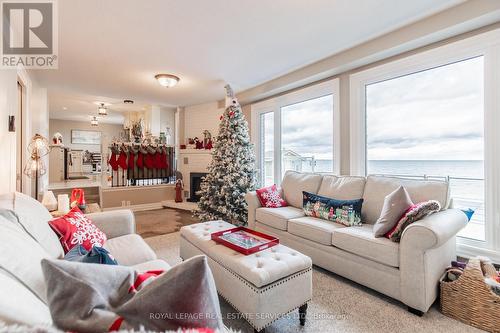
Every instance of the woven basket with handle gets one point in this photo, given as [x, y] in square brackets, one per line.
[470, 300]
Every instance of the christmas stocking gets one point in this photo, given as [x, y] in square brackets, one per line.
[122, 160]
[112, 161]
[140, 160]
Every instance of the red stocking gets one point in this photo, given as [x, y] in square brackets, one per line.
[122, 160]
[149, 161]
[113, 162]
[140, 160]
[131, 158]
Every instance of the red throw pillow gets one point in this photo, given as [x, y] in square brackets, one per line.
[270, 197]
[75, 228]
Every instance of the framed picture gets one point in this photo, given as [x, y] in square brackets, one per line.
[85, 137]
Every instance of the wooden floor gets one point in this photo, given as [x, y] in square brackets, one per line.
[162, 221]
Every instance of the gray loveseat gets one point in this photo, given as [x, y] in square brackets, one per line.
[408, 271]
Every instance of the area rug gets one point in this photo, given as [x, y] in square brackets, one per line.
[338, 305]
[162, 221]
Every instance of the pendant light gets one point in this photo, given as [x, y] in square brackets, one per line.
[103, 111]
[94, 121]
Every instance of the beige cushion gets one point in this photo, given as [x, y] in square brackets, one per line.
[277, 217]
[18, 305]
[21, 257]
[378, 187]
[295, 182]
[395, 205]
[152, 265]
[362, 242]
[260, 269]
[34, 217]
[314, 229]
[129, 250]
[342, 188]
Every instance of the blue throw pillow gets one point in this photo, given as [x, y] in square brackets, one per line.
[97, 255]
[346, 212]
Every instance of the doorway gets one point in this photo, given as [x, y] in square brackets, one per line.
[19, 137]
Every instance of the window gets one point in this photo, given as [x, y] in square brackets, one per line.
[430, 124]
[307, 135]
[267, 148]
[433, 115]
[297, 131]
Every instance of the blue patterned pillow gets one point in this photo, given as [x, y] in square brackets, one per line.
[346, 212]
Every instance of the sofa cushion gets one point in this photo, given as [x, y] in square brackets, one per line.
[278, 217]
[295, 182]
[18, 305]
[129, 250]
[342, 188]
[362, 242]
[378, 187]
[270, 197]
[21, 257]
[395, 205]
[317, 230]
[34, 217]
[346, 212]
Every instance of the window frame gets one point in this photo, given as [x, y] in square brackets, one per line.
[330, 87]
[486, 45]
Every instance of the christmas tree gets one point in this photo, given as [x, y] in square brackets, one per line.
[231, 173]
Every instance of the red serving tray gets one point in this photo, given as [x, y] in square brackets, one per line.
[270, 240]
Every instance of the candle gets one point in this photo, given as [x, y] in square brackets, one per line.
[63, 203]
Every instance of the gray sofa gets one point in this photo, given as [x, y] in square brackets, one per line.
[22, 284]
[408, 271]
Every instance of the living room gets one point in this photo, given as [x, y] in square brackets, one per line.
[233, 166]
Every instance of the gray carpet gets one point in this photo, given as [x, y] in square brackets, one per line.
[338, 305]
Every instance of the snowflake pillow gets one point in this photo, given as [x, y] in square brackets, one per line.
[75, 228]
[270, 197]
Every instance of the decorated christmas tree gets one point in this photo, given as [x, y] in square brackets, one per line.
[231, 173]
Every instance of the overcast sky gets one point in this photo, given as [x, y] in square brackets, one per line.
[436, 114]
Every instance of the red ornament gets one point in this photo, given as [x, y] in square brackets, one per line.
[231, 114]
[221, 117]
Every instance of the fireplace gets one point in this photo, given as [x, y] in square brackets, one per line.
[195, 185]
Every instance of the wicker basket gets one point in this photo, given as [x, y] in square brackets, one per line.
[470, 300]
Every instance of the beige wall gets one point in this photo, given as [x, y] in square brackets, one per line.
[109, 131]
[197, 118]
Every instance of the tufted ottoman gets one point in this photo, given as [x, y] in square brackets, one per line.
[263, 286]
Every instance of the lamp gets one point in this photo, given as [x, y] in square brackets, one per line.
[103, 111]
[167, 80]
[35, 167]
[94, 121]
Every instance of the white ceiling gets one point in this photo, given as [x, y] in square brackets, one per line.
[114, 48]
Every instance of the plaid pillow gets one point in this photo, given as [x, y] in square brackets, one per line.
[413, 214]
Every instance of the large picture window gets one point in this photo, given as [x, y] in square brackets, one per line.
[434, 115]
[297, 131]
[431, 124]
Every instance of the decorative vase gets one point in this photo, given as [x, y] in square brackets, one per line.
[49, 201]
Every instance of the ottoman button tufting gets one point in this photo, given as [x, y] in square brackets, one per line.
[259, 264]
[257, 255]
[205, 234]
[277, 258]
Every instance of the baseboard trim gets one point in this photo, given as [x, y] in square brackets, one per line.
[137, 208]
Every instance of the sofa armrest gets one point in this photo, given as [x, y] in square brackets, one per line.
[253, 203]
[427, 247]
[114, 223]
[434, 230]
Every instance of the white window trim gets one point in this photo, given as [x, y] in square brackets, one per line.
[488, 45]
[275, 105]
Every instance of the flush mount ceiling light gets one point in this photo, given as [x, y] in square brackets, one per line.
[167, 80]
[94, 121]
[102, 110]
[128, 101]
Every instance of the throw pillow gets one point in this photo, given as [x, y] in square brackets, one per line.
[346, 212]
[99, 298]
[75, 228]
[395, 205]
[96, 255]
[413, 214]
[270, 197]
